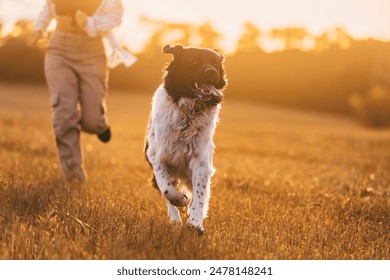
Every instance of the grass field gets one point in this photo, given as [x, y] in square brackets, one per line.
[289, 185]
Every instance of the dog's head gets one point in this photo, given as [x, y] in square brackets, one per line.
[195, 73]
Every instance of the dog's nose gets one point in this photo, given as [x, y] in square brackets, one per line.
[211, 73]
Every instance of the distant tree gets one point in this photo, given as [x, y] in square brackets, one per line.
[209, 36]
[342, 38]
[22, 28]
[293, 37]
[335, 37]
[167, 32]
[249, 41]
[153, 45]
[323, 41]
[185, 32]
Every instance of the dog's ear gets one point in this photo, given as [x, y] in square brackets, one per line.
[221, 56]
[172, 50]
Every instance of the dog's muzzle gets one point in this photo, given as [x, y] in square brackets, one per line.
[206, 93]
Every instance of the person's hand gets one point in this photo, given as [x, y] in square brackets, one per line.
[81, 19]
[34, 38]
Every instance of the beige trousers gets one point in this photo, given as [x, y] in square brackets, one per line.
[76, 73]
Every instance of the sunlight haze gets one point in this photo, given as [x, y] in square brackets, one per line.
[361, 18]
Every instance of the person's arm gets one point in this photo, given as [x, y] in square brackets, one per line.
[40, 26]
[105, 19]
[44, 18]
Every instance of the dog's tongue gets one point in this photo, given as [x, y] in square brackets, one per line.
[209, 91]
[207, 88]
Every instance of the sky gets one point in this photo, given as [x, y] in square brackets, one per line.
[361, 18]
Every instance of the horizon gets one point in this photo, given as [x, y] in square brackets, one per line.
[315, 16]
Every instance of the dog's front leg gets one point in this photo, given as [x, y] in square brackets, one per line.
[173, 213]
[201, 173]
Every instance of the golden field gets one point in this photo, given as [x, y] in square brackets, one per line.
[289, 185]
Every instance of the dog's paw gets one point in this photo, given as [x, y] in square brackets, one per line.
[197, 228]
[200, 230]
[196, 225]
[180, 201]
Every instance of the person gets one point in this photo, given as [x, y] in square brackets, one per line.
[76, 70]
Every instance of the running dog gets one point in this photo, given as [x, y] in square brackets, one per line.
[179, 142]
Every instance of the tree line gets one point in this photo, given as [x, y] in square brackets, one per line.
[332, 72]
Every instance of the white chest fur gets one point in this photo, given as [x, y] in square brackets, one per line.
[179, 132]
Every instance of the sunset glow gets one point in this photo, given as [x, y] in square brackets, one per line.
[361, 18]
[107, 147]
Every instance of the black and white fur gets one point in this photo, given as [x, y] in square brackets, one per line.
[179, 142]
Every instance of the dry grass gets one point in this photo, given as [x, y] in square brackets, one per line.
[289, 185]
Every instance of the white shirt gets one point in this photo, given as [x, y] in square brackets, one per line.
[107, 16]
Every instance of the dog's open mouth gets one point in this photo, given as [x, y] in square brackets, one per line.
[207, 93]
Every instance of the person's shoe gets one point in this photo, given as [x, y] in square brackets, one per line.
[105, 136]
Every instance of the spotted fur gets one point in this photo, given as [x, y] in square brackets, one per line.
[179, 142]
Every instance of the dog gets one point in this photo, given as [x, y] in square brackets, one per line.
[179, 142]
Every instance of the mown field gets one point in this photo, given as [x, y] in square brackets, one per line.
[289, 185]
